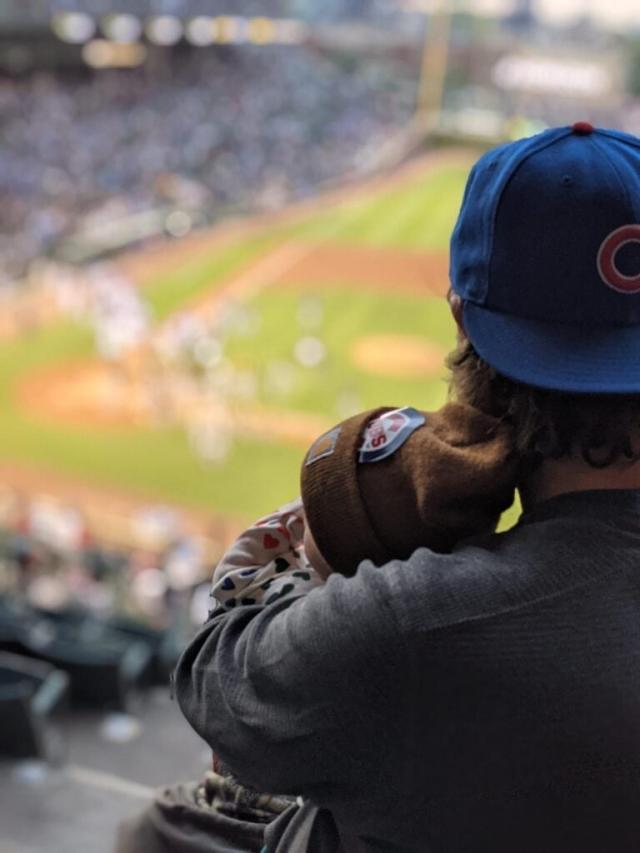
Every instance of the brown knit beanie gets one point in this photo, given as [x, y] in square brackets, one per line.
[387, 481]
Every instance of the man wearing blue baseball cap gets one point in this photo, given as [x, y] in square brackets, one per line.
[486, 700]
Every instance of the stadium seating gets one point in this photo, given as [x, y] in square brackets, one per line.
[31, 695]
[166, 645]
[108, 668]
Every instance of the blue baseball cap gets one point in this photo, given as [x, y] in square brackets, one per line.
[546, 259]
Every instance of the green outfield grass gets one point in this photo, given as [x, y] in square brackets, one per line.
[419, 214]
[148, 462]
[168, 293]
[256, 476]
[348, 314]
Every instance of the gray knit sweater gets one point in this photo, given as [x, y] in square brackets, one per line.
[486, 701]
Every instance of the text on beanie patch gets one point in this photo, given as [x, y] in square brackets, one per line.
[388, 432]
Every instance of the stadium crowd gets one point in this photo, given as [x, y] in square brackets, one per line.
[202, 131]
[51, 559]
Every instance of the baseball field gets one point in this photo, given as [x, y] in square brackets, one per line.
[326, 309]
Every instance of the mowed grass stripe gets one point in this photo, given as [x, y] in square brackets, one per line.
[418, 210]
[400, 215]
[421, 215]
[434, 215]
[167, 293]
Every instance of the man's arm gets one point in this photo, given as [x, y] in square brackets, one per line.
[298, 696]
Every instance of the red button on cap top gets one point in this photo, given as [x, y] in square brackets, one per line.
[583, 128]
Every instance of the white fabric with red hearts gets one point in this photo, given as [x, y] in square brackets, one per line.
[265, 563]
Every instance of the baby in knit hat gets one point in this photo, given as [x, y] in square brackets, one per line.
[377, 486]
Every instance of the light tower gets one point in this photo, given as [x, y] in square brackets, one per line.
[435, 61]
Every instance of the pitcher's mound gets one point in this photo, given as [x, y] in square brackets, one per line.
[398, 356]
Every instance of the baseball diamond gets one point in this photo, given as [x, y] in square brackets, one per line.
[370, 261]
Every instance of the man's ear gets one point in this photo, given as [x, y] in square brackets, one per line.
[455, 303]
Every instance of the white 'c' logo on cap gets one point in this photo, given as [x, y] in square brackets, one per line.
[609, 249]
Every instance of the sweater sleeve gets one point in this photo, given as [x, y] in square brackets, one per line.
[292, 696]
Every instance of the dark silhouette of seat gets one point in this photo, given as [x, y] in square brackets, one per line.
[32, 693]
[106, 667]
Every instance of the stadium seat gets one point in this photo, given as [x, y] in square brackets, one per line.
[166, 645]
[107, 668]
[31, 695]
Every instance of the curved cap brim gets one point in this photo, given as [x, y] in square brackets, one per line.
[558, 357]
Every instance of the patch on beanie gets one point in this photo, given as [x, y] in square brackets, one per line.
[388, 432]
[323, 446]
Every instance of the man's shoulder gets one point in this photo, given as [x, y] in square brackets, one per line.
[491, 575]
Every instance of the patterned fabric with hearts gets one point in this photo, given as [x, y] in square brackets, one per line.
[265, 563]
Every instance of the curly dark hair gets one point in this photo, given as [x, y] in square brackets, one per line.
[601, 428]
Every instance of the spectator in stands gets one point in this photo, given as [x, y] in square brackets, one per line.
[487, 699]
